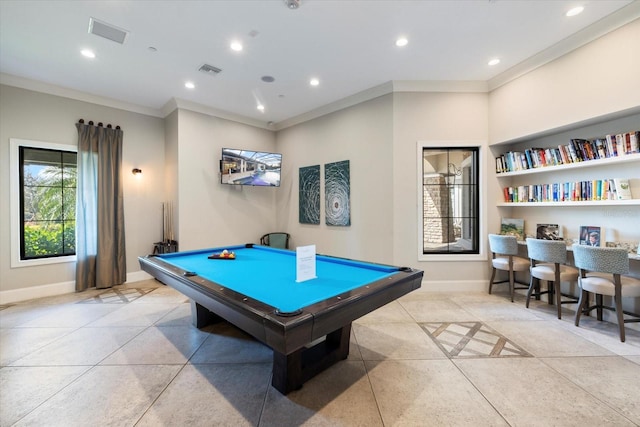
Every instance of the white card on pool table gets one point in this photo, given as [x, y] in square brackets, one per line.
[305, 263]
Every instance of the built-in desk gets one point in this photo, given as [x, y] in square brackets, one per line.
[629, 304]
[634, 260]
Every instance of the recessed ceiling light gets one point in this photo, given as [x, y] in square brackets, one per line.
[189, 85]
[575, 11]
[314, 82]
[260, 107]
[402, 41]
[494, 61]
[88, 53]
[236, 45]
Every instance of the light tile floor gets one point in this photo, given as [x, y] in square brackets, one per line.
[130, 357]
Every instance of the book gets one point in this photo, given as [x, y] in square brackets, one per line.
[513, 227]
[548, 232]
[590, 235]
[622, 189]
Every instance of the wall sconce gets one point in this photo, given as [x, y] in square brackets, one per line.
[136, 171]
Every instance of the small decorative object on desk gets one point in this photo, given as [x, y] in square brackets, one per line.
[591, 235]
[513, 227]
[548, 232]
[225, 254]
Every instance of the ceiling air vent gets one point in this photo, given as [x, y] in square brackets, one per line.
[107, 31]
[209, 69]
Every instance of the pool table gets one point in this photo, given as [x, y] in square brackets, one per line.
[307, 324]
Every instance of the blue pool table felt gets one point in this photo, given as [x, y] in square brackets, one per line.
[269, 274]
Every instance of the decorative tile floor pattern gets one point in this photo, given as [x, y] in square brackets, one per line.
[471, 339]
[117, 296]
[59, 359]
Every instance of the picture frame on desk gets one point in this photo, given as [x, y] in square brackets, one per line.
[591, 235]
[548, 232]
[513, 227]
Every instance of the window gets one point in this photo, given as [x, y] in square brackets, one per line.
[43, 202]
[450, 194]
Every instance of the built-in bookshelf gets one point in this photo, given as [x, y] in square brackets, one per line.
[577, 152]
[605, 154]
[630, 202]
[633, 157]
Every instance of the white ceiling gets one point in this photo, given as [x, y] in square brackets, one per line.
[349, 45]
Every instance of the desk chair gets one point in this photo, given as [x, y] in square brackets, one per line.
[614, 262]
[276, 240]
[503, 253]
[547, 259]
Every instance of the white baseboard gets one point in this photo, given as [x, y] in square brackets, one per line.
[455, 285]
[53, 289]
[41, 291]
[137, 276]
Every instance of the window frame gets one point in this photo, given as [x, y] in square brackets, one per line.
[15, 205]
[482, 204]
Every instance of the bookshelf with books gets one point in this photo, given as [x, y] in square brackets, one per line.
[577, 153]
[613, 160]
[576, 193]
[613, 191]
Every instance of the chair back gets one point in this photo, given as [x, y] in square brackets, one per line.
[504, 245]
[547, 250]
[276, 240]
[604, 260]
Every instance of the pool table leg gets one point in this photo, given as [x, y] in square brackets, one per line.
[290, 371]
[201, 316]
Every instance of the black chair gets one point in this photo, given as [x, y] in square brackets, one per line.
[276, 240]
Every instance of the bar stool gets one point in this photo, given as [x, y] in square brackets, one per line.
[592, 262]
[504, 250]
[547, 263]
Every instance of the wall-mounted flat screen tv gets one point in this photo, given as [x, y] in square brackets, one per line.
[245, 167]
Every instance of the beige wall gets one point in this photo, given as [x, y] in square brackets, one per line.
[210, 213]
[170, 180]
[363, 135]
[590, 92]
[36, 116]
[598, 79]
[428, 117]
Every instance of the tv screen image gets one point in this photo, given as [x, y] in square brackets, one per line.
[245, 167]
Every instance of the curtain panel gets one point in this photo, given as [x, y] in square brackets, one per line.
[100, 237]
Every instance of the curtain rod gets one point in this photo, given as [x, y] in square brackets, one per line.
[99, 124]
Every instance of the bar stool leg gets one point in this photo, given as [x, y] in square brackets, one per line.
[581, 302]
[493, 276]
[618, 301]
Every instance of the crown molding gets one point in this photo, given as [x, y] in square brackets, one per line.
[609, 23]
[183, 104]
[64, 92]
[460, 86]
[340, 104]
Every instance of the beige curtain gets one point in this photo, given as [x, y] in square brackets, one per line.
[100, 243]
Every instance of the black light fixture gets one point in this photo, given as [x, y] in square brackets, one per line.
[136, 171]
[452, 173]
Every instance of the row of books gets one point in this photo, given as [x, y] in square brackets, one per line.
[575, 191]
[578, 150]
